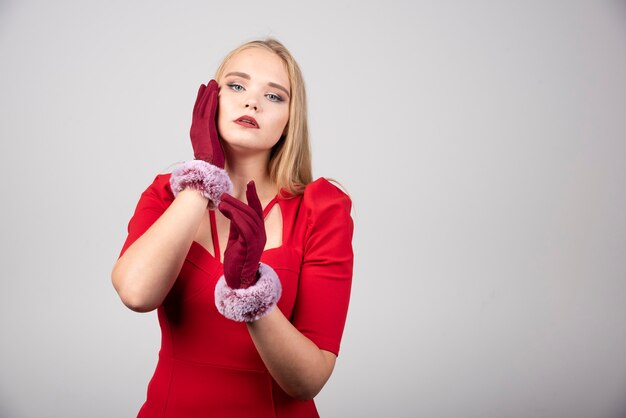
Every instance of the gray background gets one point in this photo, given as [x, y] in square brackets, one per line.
[483, 144]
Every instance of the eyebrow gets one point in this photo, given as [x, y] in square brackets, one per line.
[247, 77]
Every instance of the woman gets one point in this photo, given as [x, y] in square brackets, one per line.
[226, 351]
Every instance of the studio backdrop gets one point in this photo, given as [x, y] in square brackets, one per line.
[483, 145]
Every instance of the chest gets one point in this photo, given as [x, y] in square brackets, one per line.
[196, 282]
[209, 233]
[193, 291]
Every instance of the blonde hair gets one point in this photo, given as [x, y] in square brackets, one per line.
[290, 159]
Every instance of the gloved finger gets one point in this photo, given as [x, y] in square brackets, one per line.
[227, 210]
[248, 227]
[243, 217]
[212, 109]
[238, 212]
[226, 205]
[213, 89]
[198, 99]
[241, 208]
[210, 102]
[253, 199]
[202, 105]
[212, 84]
[233, 232]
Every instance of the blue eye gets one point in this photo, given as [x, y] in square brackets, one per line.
[274, 97]
[235, 86]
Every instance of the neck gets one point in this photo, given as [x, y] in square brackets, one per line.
[243, 168]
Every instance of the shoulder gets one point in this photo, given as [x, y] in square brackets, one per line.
[162, 181]
[322, 198]
[160, 189]
[322, 190]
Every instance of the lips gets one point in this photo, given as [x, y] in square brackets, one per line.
[247, 121]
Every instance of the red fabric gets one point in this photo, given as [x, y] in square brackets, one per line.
[203, 355]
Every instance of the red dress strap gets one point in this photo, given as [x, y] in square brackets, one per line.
[216, 241]
[269, 206]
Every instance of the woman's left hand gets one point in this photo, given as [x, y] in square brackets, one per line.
[246, 239]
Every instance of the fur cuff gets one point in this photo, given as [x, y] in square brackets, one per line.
[250, 304]
[209, 179]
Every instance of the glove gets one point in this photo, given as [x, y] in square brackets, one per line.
[204, 137]
[248, 289]
[206, 173]
[246, 239]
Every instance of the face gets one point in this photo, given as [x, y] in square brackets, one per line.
[253, 100]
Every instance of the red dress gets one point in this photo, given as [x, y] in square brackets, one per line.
[208, 365]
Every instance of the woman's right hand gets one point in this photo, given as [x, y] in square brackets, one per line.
[206, 173]
[204, 137]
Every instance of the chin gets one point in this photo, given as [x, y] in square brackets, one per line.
[245, 142]
[244, 146]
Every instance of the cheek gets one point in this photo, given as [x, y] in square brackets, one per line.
[220, 119]
[222, 113]
[281, 123]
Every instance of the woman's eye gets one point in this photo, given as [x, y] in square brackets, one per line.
[235, 86]
[274, 97]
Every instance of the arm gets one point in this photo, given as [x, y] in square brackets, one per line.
[294, 361]
[146, 271]
[299, 353]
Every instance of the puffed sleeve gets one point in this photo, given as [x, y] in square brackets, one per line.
[326, 275]
[152, 203]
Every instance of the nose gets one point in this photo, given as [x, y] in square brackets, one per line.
[251, 103]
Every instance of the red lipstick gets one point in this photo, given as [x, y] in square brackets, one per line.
[247, 121]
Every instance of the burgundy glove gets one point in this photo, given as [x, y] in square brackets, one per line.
[204, 137]
[206, 173]
[246, 239]
[249, 289]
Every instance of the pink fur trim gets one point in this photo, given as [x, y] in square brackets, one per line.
[250, 304]
[209, 179]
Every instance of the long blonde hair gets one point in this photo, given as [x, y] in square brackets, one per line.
[290, 159]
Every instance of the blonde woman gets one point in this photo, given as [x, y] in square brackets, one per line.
[255, 329]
